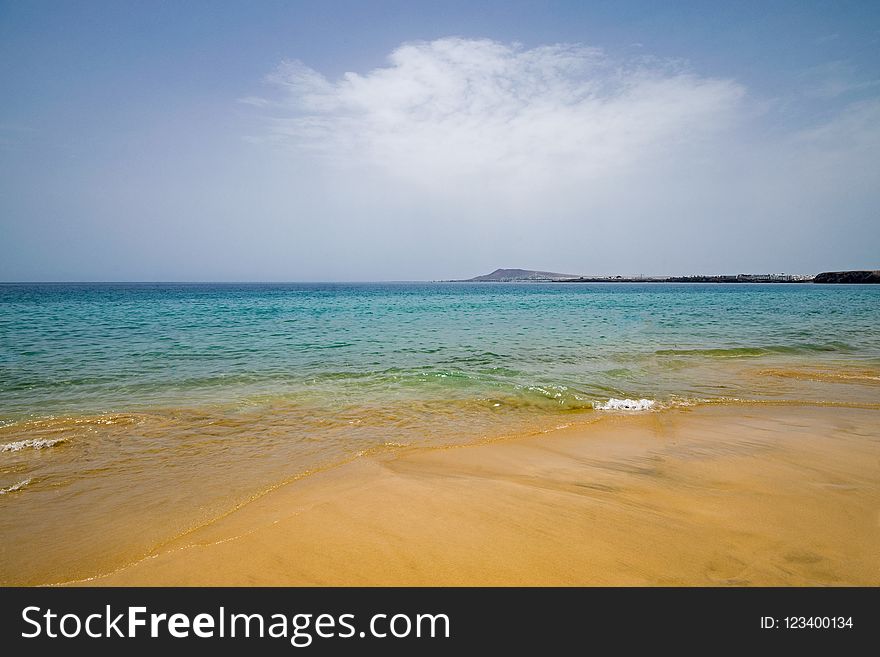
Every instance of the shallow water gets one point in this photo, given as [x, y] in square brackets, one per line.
[130, 414]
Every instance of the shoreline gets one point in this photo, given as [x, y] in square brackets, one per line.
[749, 495]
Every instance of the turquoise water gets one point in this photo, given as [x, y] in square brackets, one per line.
[72, 349]
[136, 412]
[109, 348]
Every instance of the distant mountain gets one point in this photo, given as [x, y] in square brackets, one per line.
[508, 275]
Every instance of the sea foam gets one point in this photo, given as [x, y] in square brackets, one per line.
[625, 405]
[14, 487]
[33, 443]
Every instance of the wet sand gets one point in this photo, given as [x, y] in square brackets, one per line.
[756, 495]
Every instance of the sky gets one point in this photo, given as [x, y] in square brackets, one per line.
[344, 141]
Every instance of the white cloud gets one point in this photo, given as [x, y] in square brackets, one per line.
[453, 109]
[564, 158]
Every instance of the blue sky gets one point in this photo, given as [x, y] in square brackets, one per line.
[225, 141]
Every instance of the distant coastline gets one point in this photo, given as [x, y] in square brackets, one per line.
[862, 276]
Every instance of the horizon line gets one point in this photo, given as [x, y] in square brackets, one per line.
[433, 280]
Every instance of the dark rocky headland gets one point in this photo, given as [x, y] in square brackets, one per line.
[855, 276]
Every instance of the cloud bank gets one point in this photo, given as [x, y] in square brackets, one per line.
[452, 109]
[563, 157]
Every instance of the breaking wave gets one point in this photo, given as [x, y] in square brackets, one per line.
[625, 405]
[14, 487]
[33, 443]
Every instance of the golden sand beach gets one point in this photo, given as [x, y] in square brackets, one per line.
[739, 496]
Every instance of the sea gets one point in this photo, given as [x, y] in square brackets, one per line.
[131, 414]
